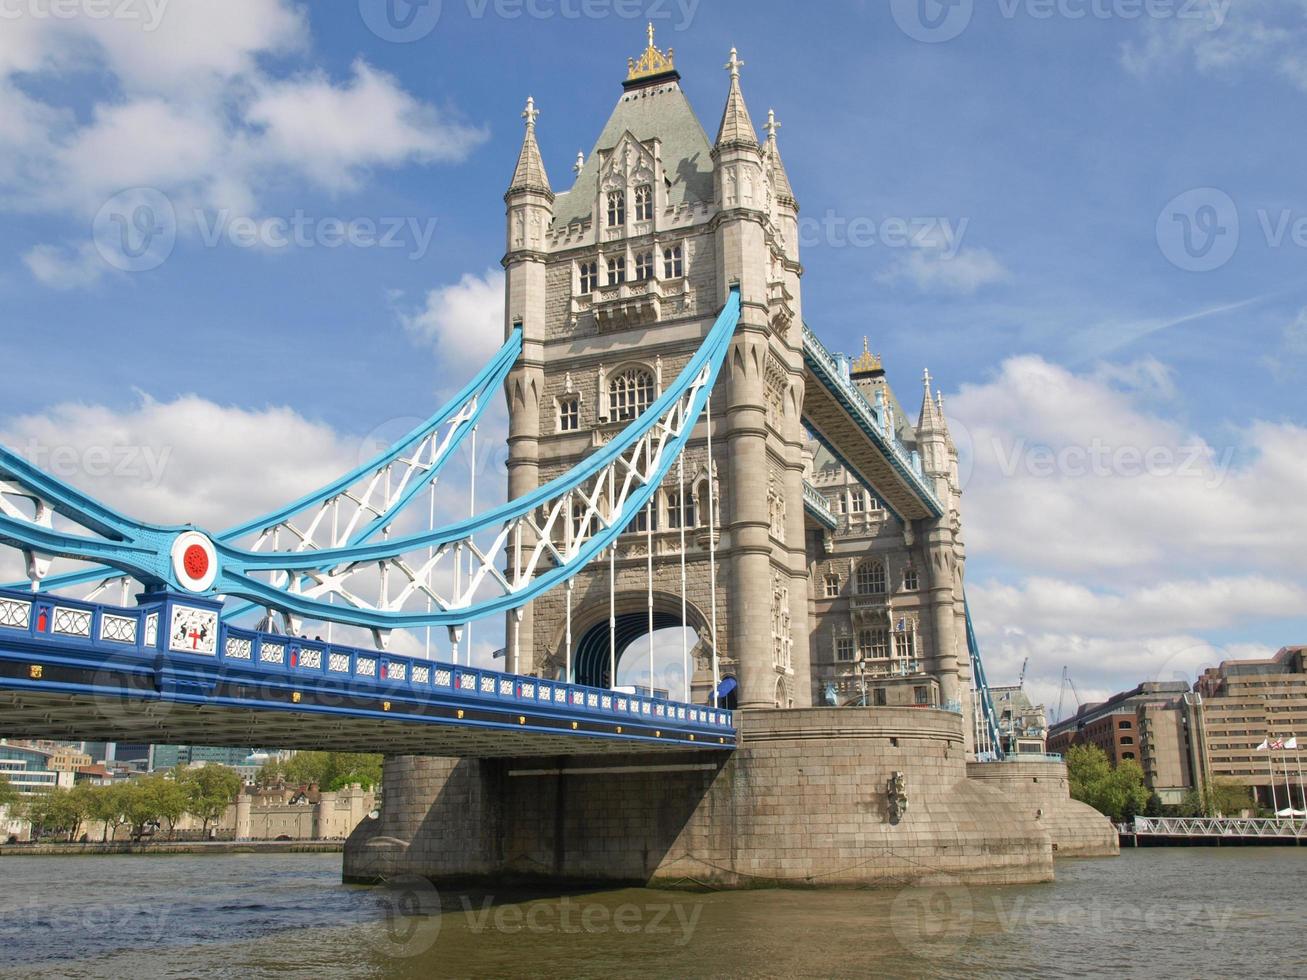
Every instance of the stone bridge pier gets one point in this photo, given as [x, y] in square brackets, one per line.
[815, 797]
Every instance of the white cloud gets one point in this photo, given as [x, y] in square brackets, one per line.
[195, 110]
[1220, 37]
[188, 461]
[332, 131]
[936, 270]
[1072, 473]
[1059, 605]
[462, 323]
[65, 268]
[1114, 537]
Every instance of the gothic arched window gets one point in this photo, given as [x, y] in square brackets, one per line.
[673, 262]
[616, 208]
[644, 205]
[617, 271]
[680, 514]
[871, 578]
[589, 277]
[644, 267]
[629, 394]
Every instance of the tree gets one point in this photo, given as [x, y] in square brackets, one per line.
[1226, 798]
[1119, 792]
[1154, 807]
[331, 771]
[171, 801]
[8, 795]
[211, 789]
[109, 804]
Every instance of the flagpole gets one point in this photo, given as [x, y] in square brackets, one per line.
[1288, 790]
[1270, 766]
[1298, 758]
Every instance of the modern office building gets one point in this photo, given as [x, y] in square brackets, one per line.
[171, 756]
[1113, 725]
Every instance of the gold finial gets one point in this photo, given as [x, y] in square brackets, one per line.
[652, 62]
[868, 362]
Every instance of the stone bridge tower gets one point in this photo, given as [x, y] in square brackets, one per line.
[616, 282]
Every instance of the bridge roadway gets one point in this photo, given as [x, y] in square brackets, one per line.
[860, 436]
[74, 670]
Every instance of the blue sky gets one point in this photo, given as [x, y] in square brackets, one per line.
[1065, 155]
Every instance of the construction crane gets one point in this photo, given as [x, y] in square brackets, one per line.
[1021, 680]
[1061, 694]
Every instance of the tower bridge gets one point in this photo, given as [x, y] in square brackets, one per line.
[684, 452]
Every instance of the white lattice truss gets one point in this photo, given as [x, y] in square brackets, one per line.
[553, 538]
[1217, 827]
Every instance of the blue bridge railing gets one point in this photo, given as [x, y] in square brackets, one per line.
[37, 627]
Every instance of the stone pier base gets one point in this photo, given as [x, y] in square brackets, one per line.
[1040, 787]
[804, 803]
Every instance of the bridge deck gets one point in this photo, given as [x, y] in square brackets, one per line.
[75, 670]
[851, 428]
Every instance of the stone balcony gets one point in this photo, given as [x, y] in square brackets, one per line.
[629, 304]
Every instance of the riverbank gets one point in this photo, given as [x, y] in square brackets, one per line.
[154, 848]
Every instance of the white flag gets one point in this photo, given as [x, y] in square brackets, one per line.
[1263, 747]
[1292, 743]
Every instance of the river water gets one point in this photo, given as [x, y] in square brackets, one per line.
[1150, 913]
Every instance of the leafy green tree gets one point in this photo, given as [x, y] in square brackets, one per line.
[109, 805]
[211, 789]
[171, 801]
[331, 771]
[8, 795]
[1154, 807]
[1118, 793]
[1226, 798]
[53, 812]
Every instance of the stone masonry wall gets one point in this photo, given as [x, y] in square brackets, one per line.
[803, 804]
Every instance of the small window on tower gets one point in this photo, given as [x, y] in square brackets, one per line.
[644, 205]
[617, 271]
[673, 262]
[589, 277]
[844, 649]
[910, 580]
[857, 502]
[616, 209]
[832, 586]
[644, 266]
[569, 414]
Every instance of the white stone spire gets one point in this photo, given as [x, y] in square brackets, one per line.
[530, 174]
[736, 128]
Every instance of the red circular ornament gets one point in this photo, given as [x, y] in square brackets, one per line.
[196, 562]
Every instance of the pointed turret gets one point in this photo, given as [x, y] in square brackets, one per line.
[736, 128]
[932, 418]
[530, 173]
[780, 179]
